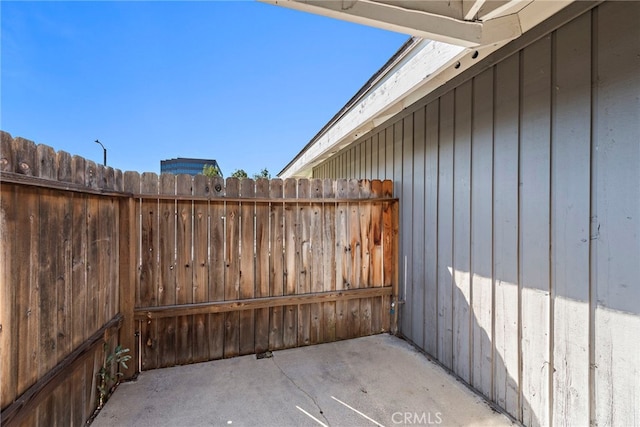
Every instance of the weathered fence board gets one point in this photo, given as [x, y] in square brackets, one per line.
[218, 268]
[232, 274]
[200, 344]
[276, 272]
[329, 260]
[58, 282]
[289, 334]
[263, 254]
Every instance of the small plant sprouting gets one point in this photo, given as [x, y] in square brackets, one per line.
[109, 374]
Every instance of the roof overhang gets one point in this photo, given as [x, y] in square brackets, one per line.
[449, 37]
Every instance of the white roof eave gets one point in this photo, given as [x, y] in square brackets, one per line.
[425, 66]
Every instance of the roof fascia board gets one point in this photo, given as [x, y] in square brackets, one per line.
[344, 132]
[425, 62]
[411, 21]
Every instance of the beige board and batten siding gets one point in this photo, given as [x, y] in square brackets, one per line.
[520, 210]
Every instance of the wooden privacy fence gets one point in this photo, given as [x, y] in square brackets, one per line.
[178, 269]
[240, 267]
[59, 281]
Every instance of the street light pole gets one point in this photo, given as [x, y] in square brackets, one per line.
[104, 150]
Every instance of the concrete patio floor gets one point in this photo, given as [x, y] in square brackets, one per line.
[377, 380]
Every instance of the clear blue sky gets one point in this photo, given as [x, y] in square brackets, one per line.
[246, 83]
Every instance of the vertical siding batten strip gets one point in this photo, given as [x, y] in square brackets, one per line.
[593, 209]
[570, 191]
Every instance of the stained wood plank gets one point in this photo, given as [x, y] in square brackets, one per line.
[64, 278]
[95, 280]
[534, 231]
[506, 383]
[79, 330]
[184, 268]
[365, 249]
[148, 279]
[160, 312]
[47, 270]
[25, 156]
[304, 261]
[10, 317]
[377, 257]
[445, 232]
[390, 258]
[108, 262]
[64, 166]
[354, 259]
[129, 226]
[329, 260]
[343, 261]
[277, 277]
[76, 396]
[290, 331]
[47, 166]
[247, 265]
[217, 284]
[316, 272]
[431, 229]
[167, 265]
[8, 155]
[201, 187]
[232, 274]
[482, 233]
[263, 255]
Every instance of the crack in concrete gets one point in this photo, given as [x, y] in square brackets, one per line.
[315, 402]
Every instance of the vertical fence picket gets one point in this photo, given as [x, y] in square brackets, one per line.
[355, 259]
[365, 250]
[201, 188]
[78, 312]
[247, 265]
[166, 288]
[343, 261]
[389, 256]
[218, 267]
[10, 317]
[148, 279]
[290, 335]
[184, 267]
[129, 248]
[277, 276]
[263, 254]
[304, 261]
[232, 274]
[375, 253]
[316, 267]
[328, 255]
